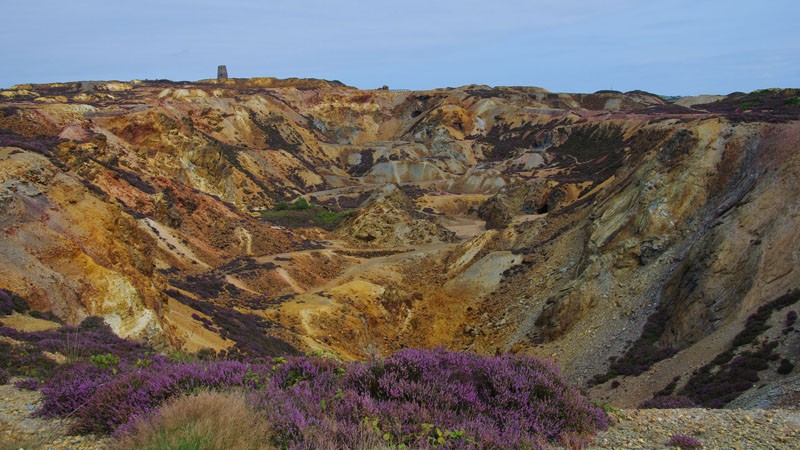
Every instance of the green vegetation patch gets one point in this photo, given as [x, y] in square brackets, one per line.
[794, 101]
[751, 104]
[301, 213]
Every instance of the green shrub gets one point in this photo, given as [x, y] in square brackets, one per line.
[794, 101]
[301, 203]
[107, 361]
[750, 104]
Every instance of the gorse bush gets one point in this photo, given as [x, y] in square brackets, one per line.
[414, 399]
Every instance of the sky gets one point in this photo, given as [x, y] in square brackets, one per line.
[668, 47]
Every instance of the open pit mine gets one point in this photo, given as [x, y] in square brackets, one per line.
[649, 247]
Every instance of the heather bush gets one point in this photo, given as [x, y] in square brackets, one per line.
[91, 337]
[10, 302]
[734, 371]
[791, 318]
[642, 354]
[96, 324]
[30, 384]
[669, 402]
[24, 360]
[71, 388]
[45, 315]
[414, 399]
[668, 389]
[425, 399]
[786, 367]
[684, 441]
[757, 322]
[6, 307]
[140, 390]
[716, 388]
[251, 333]
[4, 376]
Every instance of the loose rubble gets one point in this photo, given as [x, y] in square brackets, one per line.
[715, 428]
[19, 430]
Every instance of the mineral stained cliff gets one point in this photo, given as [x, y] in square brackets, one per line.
[580, 227]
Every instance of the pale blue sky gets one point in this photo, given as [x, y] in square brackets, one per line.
[664, 46]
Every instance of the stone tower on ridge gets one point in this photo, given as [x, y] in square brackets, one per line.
[222, 72]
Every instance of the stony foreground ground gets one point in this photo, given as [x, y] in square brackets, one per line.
[633, 429]
[18, 430]
[716, 428]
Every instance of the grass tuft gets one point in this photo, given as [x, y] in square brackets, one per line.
[202, 421]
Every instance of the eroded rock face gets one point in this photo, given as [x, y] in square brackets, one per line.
[389, 219]
[517, 199]
[496, 213]
[66, 251]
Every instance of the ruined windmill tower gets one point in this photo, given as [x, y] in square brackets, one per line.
[222, 72]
